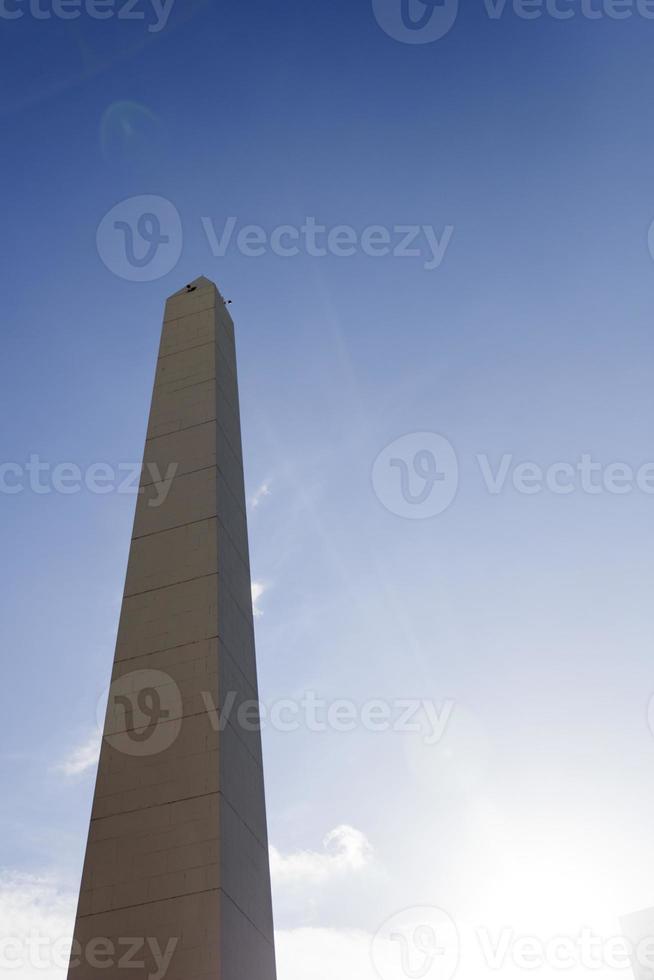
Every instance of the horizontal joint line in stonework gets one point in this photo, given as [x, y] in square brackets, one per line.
[203, 752]
[227, 329]
[173, 432]
[180, 476]
[154, 653]
[153, 901]
[200, 469]
[175, 527]
[165, 721]
[207, 343]
[185, 799]
[247, 613]
[213, 379]
[201, 520]
[171, 585]
[185, 316]
[185, 428]
[220, 387]
[225, 650]
[180, 646]
[197, 425]
[196, 714]
[183, 350]
[173, 898]
[195, 384]
[156, 806]
[237, 452]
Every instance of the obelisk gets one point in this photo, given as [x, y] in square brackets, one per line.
[176, 881]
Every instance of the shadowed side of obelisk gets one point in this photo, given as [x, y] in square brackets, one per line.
[176, 880]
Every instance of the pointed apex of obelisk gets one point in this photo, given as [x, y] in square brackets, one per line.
[196, 296]
[200, 283]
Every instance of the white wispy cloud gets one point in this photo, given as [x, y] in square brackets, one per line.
[82, 758]
[258, 589]
[345, 851]
[260, 493]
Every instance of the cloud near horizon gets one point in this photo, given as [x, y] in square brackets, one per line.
[33, 906]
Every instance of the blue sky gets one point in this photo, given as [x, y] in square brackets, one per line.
[531, 341]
